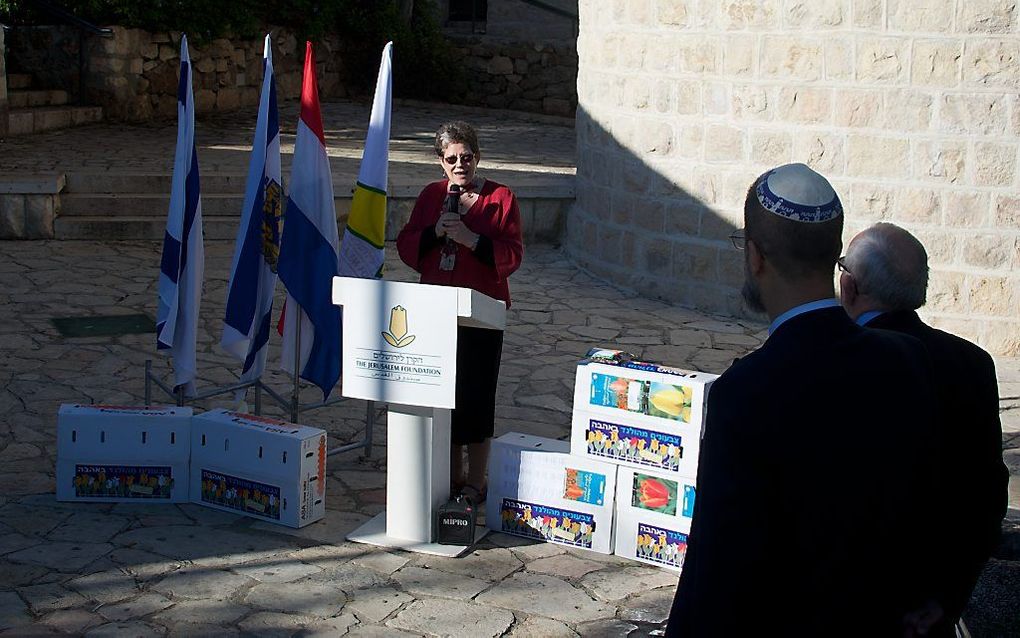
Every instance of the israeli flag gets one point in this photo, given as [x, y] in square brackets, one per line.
[183, 264]
[257, 249]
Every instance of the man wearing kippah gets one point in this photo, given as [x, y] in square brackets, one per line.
[883, 280]
[817, 457]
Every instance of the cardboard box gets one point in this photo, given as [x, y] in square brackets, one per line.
[653, 517]
[639, 539]
[537, 489]
[265, 468]
[641, 415]
[123, 454]
[663, 499]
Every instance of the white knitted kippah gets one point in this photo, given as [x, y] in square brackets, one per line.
[796, 192]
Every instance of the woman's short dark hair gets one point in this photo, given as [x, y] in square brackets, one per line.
[456, 133]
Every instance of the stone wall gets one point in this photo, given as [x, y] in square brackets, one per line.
[49, 54]
[134, 74]
[909, 106]
[540, 77]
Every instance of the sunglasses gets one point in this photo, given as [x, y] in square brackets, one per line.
[841, 265]
[465, 158]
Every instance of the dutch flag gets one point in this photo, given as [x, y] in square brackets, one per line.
[183, 263]
[309, 250]
[257, 250]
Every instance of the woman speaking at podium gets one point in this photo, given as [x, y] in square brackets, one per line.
[465, 231]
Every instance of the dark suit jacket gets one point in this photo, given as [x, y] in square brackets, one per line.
[815, 463]
[974, 479]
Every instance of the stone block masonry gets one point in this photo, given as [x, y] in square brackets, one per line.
[133, 75]
[910, 107]
[539, 77]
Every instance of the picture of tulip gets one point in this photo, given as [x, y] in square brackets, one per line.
[654, 494]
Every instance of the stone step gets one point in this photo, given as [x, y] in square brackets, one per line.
[135, 228]
[48, 118]
[148, 183]
[552, 186]
[140, 205]
[541, 218]
[135, 205]
[18, 81]
[24, 98]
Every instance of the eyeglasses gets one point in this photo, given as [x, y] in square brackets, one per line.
[841, 265]
[739, 239]
[465, 158]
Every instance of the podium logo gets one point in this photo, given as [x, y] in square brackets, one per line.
[397, 335]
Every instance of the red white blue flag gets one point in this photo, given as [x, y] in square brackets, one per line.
[309, 250]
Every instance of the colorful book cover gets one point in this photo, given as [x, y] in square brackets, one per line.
[652, 398]
[584, 486]
[635, 445]
[547, 523]
[249, 497]
[123, 481]
[660, 545]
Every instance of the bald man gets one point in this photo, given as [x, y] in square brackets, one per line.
[815, 462]
[883, 280]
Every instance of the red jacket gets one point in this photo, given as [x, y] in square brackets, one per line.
[494, 216]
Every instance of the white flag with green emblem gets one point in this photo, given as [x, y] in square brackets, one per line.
[361, 252]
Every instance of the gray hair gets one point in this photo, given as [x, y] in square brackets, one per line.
[890, 265]
[456, 133]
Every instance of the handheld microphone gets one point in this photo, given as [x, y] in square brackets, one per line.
[453, 199]
[449, 253]
[452, 206]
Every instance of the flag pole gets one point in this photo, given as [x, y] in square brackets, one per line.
[295, 397]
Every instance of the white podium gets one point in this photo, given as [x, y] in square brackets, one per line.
[400, 348]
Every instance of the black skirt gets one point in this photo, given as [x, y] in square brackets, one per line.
[478, 354]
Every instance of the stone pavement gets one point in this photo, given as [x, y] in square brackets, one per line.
[128, 569]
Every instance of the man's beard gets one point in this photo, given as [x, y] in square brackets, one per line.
[751, 292]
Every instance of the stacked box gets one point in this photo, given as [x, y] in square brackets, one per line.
[648, 419]
[640, 415]
[120, 454]
[653, 516]
[265, 468]
[537, 489]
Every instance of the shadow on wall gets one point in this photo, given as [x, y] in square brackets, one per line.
[633, 226]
